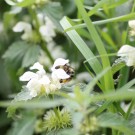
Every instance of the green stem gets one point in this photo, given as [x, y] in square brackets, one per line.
[37, 26]
[130, 109]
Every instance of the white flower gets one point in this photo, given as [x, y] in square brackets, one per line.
[60, 74]
[19, 0]
[132, 26]
[59, 62]
[37, 83]
[127, 53]
[47, 30]
[55, 85]
[26, 27]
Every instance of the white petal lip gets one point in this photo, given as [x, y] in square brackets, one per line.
[22, 26]
[27, 76]
[131, 24]
[59, 62]
[59, 74]
[126, 50]
[44, 80]
[37, 65]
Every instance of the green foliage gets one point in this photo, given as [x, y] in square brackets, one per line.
[24, 125]
[24, 51]
[90, 40]
[54, 11]
[56, 121]
[115, 121]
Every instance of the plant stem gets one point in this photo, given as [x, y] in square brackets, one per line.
[37, 26]
[130, 109]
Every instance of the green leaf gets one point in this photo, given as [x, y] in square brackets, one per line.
[16, 51]
[54, 11]
[25, 3]
[122, 18]
[46, 103]
[7, 19]
[83, 48]
[115, 121]
[108, 79]
[24, 95]
[117, 65]
[119, 95]
[31, 56]
[97, 6]
[68, 6]
[24, 126]
[91, 85]
[22, 52]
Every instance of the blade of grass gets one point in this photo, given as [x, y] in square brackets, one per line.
[90, 86]
[115, 19]
[83, 48]
[109, 84]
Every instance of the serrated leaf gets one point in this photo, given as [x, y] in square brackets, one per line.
[16, 51]
[24, 52]
[116, 122]
[55, 12]
[68, 5]
[24, 95]
[24, 126]
[31, 56]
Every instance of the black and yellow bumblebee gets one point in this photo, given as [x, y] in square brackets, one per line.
[69, 70]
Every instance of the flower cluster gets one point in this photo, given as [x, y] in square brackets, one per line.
[47, 29]
[40, 82]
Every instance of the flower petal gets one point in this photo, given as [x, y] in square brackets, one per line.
[37, 65]
[22, 26]
[125, 50]
[59, 62]
[59, 74]
[131, 24]
[27, 76]
[45, 80]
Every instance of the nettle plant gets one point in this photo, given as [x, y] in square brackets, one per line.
[46, 104]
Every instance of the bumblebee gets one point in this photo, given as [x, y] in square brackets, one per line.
[69, 70]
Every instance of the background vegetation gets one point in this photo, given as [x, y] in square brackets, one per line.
[100, 97]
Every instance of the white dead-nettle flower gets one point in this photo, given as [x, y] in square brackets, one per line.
[39, 82]
[127, 54]
[59, 62]
[57, 71]
[132, 26]
[47, 30]
[24, 27]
